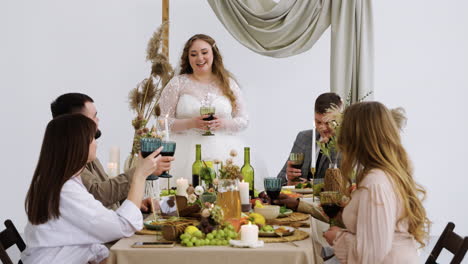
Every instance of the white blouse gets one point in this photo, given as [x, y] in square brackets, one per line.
[83, 226]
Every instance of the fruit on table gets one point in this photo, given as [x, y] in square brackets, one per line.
[263, 196]
[267, 228]
[257, 219]
[219, 237]
[191, 230]
[258, 204]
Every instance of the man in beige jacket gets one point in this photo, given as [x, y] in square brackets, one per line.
[110, 191]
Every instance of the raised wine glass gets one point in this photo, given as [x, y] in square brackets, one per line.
[210, 111]
[273, 187]
[147, 146]
[296, 160]
[169, 148]
[330, 202]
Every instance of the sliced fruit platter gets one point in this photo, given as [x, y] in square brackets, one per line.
[275, 231]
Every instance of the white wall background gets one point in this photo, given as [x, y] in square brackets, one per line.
[52, 47]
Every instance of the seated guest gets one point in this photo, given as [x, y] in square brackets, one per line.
[303, 144]
[385, 217]
[110, 191]
[66, 223]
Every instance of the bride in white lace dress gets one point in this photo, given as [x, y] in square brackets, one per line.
[203, 78]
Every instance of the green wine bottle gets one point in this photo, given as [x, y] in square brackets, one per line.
[197, 166]
[247, 172]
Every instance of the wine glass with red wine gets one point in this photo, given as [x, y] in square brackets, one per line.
[210, 111]
[169, 148]
[330, 202]
[148, 146]
[296, 160]
[273, 187]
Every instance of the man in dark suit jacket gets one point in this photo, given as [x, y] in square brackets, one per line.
[303, 144]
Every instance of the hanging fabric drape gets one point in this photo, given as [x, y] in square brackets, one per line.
[291, 27]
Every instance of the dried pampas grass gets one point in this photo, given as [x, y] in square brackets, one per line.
[144, 98]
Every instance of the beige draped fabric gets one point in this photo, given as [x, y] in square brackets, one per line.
[291, 27]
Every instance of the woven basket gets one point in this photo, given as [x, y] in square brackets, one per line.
[334, 180]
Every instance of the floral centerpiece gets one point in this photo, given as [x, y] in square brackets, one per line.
[144, 98]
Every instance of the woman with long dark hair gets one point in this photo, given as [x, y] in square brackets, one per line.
[66, 224]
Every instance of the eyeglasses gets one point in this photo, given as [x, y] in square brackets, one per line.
[98, 134]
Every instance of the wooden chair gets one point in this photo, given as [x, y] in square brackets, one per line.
[8, 238]
[452, 242]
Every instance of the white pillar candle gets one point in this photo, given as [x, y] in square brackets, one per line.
[182, 185]
[166, 127]
[313, 161]
[244, 192]
[112, 169]
[249, 233]
[114, 157]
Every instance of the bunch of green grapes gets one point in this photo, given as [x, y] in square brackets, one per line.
[267, 228]
[166, 192]
[218, 237]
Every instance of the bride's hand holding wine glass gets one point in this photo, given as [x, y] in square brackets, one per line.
[198, 122]
[216, 123]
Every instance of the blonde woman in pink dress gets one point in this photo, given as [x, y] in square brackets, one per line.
[385, 218]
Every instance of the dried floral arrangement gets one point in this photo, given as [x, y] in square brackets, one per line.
[144, 98]
[230, 171]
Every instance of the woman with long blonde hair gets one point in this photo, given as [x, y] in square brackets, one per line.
[385, 218]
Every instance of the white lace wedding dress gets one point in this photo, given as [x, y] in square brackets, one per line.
[181, 99]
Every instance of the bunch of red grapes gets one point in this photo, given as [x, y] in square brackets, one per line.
[263, 197]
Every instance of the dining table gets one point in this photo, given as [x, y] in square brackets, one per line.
[305, 251]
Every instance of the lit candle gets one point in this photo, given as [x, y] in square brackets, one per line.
[182, 185]
[114, 157]
[244, 192]
[112, 169]
[249, 233]
[166, 126]
[312, 164]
